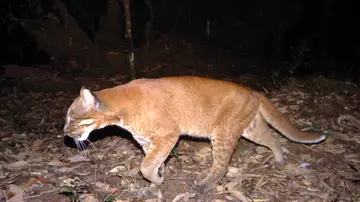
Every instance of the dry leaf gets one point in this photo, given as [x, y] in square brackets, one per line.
[234, 172]
[332, 148]
[295, 170]
[204, 152]
[105, 187]
[118, 169]
[219, 189]
[37, 143]
[17, 198]
[3, 175]
[304, 165]
[184, 196]
[132, 172]
[33, 180]
[17, 165]
[15, 193]
[261, 150]
[77, 158]
[235, 193]
[69, 182]
[89, 198]
[55, 162]
[30, 182]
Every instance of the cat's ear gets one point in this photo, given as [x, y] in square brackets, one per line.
[89, 99]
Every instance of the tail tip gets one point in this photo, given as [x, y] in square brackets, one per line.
[313, 140]
[317, 140]
[322, 137]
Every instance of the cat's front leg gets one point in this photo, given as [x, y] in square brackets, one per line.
[152, 167]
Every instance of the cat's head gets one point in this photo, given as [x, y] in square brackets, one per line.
[87, 113]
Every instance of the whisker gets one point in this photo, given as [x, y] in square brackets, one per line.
[77, 144]
[84, 148]
[81, 145]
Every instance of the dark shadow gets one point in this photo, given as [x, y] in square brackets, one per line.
[108, 131]
[100, 134]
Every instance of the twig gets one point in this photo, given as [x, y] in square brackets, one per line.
[32, 197]
[129, 39]
[148, 29]
[42, 193]
[108, 196]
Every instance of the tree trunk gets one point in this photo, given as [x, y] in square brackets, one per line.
[110, 27]
[67, 41]
[93, 59]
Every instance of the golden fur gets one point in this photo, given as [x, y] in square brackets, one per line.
[158, 111]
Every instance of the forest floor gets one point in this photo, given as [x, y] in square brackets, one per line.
[38, 164]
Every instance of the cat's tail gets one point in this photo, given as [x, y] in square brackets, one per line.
[276, 119]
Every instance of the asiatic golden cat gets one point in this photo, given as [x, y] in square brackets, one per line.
[158, 111]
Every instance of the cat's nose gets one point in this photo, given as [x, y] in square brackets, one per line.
[70, 133]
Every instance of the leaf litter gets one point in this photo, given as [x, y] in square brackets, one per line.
[36, 165]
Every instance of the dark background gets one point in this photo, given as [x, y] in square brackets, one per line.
[295, 38]
[302, 54]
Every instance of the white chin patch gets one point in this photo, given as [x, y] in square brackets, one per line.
[86, 122]
[86, 133]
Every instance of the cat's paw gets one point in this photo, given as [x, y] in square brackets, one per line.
[153, 191]
[278, 165]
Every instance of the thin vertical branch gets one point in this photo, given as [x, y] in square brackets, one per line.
[179, 13]
[128, 38]
[148, 29]
[208, 29]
